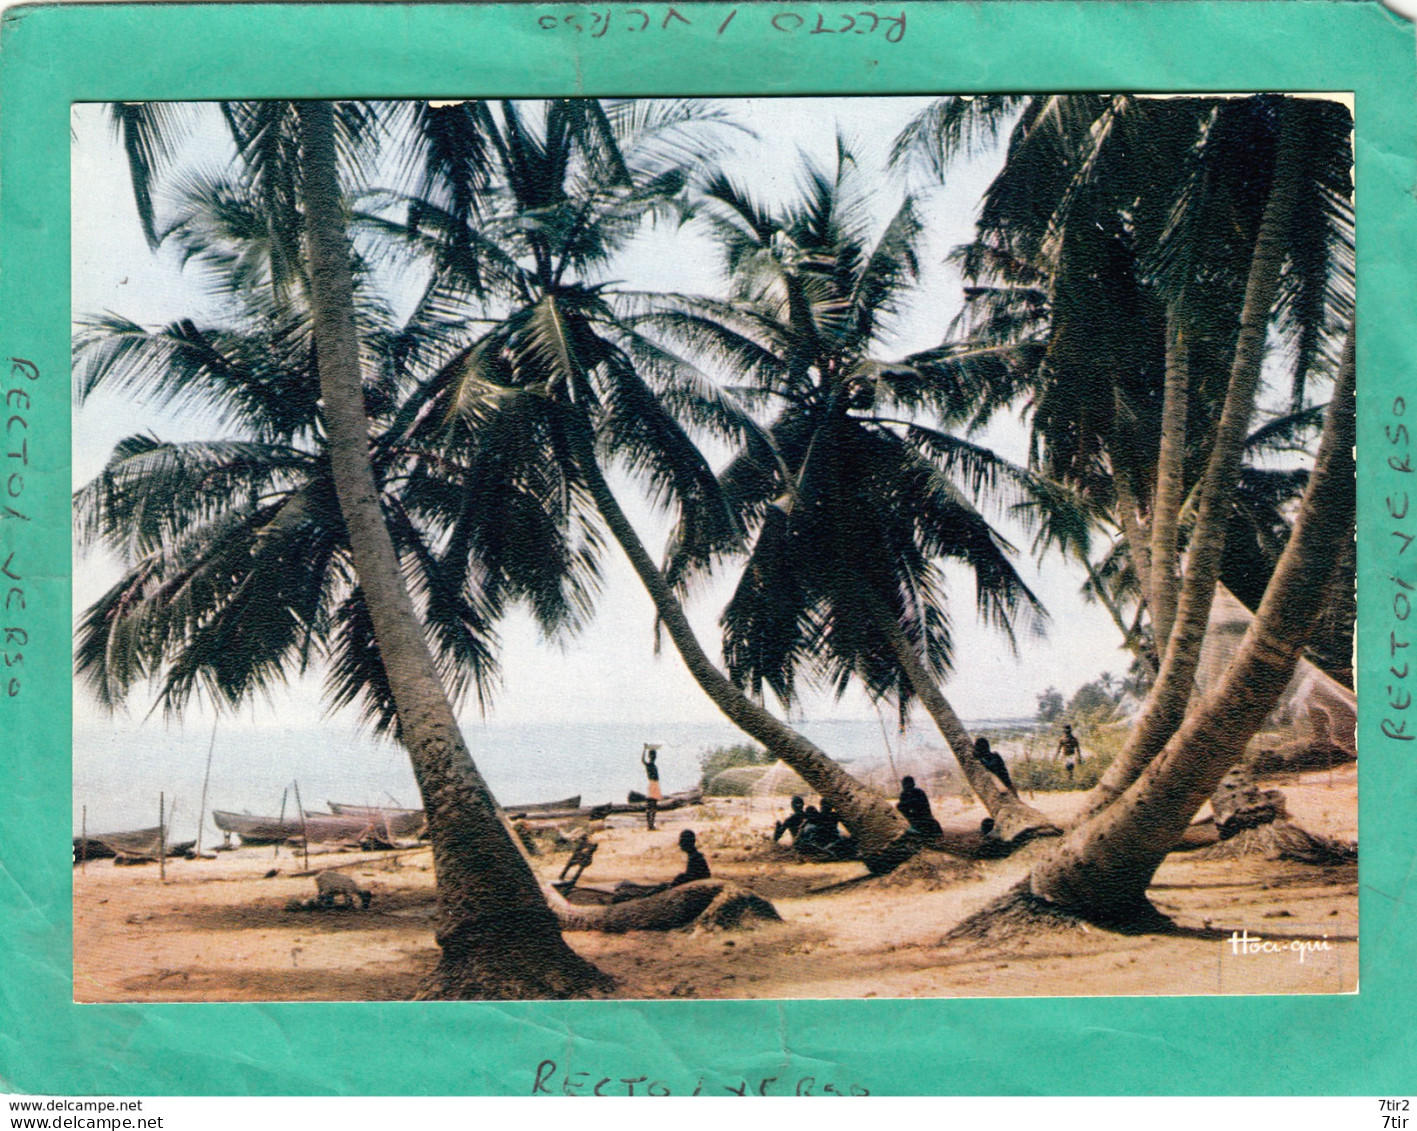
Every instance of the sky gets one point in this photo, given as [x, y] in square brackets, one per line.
[609, 672]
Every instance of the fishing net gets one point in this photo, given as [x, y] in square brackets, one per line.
[911, 754]
[1315, 722]
[880, 766]
[779, 780]
[917, 752]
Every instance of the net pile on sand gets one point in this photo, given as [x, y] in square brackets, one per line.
[880, 763]
[1315, 722]
[931, 767]
[880, 766]
[918, 751]
[779, 780]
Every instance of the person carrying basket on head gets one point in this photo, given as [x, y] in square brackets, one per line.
[653, 794]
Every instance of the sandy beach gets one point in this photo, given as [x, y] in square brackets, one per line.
[223, 930]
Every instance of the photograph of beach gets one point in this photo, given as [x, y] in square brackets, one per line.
[617, 548]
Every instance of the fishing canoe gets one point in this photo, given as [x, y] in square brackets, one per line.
[140, 844]
[318, 829]
[638, 801]
[590, 812]
[536, 808]
[396, 822]
[572, 802]
[344, 809]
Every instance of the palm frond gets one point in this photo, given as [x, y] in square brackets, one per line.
[229, 607]
[887, 274]
[1317, 293]
[450, 161]
[150, 492]
[961, 125]
[151, 132]
[637, 428]
[234, 378]
[660, 135]
[267, 139]
[1283, 432]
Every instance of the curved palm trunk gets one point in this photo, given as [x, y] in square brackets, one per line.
[1170, 694]
[880, 830]
[665, 910]
[1138, 541]
[1170, 479]
[1102, 869]
[1132, 639]
[499, 938]
[1015, 820]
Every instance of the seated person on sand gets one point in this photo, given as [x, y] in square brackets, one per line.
[810, 818]
[993, 763]
[914, 806]
[695, 868]
[792, 823]
[820, 836]
[991, 844]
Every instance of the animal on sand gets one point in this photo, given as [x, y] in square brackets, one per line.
[332, 886]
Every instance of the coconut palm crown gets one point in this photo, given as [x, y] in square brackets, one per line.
[861, 495]
[236, 562]
[556, 378]
[1115, 276]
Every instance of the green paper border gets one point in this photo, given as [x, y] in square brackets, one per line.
[50, 56]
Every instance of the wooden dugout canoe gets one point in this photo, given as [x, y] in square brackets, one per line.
[318, 829]
[408, 822]
[140, 844]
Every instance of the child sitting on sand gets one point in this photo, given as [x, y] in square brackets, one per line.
[792, 823]
[820, 837]
[695, 868]
[914, 806]
[993, 763]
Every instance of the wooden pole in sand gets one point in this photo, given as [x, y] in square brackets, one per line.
[275, 852]
[885, 739]
[304, 832]
[84, 841]
[161, 837]
[206, 777]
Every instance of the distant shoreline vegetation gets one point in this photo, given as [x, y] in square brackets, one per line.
[1028, 745]
[717, 761]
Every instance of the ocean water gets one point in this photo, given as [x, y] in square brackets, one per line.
[120, 771]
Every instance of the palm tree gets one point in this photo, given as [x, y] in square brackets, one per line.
[237, 559]
[1130, 409]
[858, 497]
[1153, 298]
[563, 380]
[499, 937]
[1264, 497]
[1104, 866]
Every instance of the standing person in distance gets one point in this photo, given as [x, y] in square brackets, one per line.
[1070, 750]
[653, 794]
